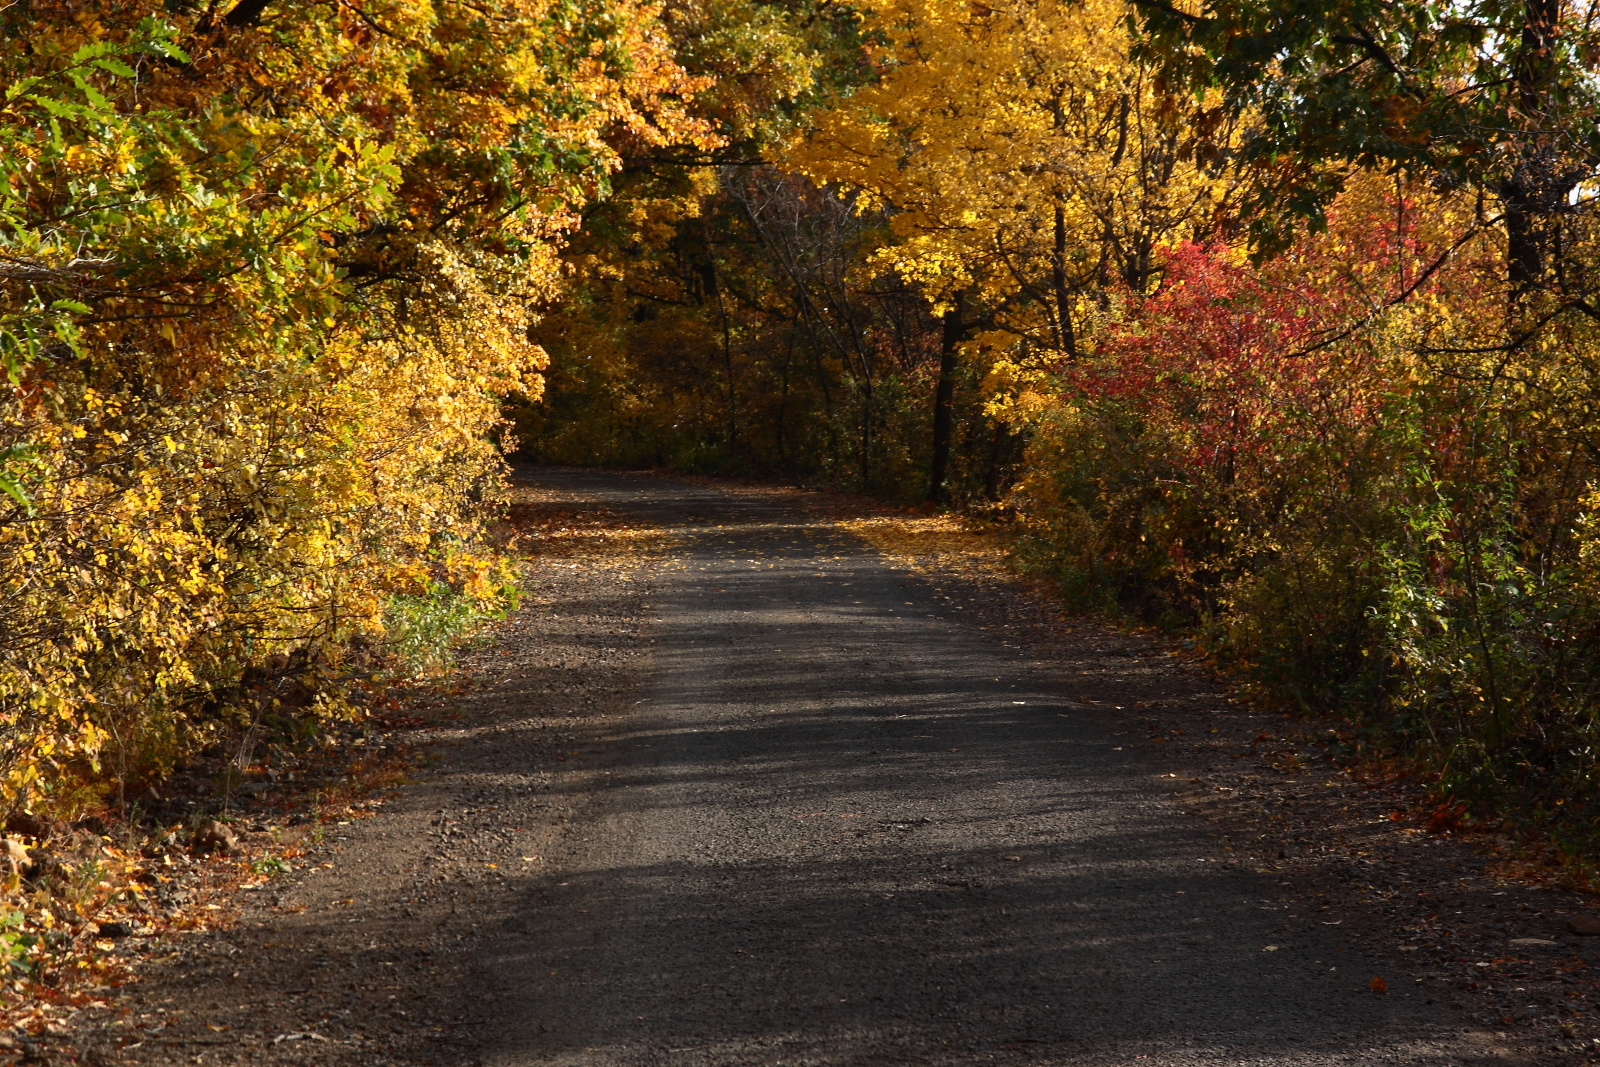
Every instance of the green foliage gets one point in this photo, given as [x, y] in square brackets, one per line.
[422, 631]
[1490, 95]
[17, 944]
[267, 866]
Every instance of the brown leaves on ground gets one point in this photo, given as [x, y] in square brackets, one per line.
[82, 908]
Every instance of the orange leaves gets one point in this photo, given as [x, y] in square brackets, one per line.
[1378, 985]
[1447, 818]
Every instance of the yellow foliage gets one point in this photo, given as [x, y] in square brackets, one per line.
[264, 287]
[1029, 161]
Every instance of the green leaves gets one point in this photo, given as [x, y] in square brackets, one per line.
[16, 942]
[10, 480]
[1470, 93]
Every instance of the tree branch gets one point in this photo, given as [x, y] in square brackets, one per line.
[1398, 300]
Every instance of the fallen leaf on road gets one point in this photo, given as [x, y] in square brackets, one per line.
[1584, 925]
[1378, 985]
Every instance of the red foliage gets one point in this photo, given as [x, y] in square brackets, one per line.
[1223, 353]
[1237, 365]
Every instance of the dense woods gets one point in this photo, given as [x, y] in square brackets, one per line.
[1269, 322]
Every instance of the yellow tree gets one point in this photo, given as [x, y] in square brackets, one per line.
[264, 276]
[1032, 165]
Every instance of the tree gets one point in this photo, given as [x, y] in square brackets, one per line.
[265, 275]
[1028, 162]
[1495, 95]
[718, 316]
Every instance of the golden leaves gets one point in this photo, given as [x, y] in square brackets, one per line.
[303, 278]
[1029, 158]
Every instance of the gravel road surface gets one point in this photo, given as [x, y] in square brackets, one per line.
[839, 829]
[756, 796]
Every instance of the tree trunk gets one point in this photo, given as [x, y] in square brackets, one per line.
[1524, 256]
[1535, 70]
[943, 404]
[1066, 338]
[991, 478]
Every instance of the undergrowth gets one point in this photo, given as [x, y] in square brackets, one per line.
[423, 631]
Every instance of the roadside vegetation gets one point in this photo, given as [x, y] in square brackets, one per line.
[266, 275]
[1265, 322]
[267, 278]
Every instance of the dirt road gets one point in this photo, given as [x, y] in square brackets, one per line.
[797, 812]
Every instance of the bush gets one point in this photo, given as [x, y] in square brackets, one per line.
[1372, 507]
[423, 631]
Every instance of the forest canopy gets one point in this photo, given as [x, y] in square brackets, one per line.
[1269, 322]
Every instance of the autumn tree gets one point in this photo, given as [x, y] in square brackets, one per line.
[1495, 96]
[265, 273]
[717, 317]
[1029, 160]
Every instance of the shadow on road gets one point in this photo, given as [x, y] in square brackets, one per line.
[840, 829]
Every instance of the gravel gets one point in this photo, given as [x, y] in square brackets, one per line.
[732, 789]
